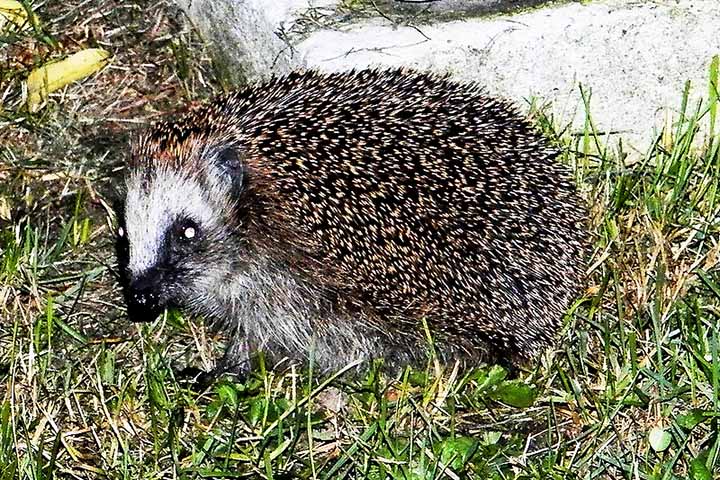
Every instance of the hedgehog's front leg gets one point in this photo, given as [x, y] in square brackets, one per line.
[236, 359]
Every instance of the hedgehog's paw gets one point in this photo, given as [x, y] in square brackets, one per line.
[200, 380]
[235, 362]
[197, 379]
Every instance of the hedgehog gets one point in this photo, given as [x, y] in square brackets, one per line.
[352, 216]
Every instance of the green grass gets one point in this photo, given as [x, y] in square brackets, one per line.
[631, 390]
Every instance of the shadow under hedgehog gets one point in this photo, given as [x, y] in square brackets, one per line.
[337, 213]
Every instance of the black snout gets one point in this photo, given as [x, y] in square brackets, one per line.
[143, 297]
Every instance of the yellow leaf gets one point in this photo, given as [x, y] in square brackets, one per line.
[14, 12]
[46, 79]
[5, 209]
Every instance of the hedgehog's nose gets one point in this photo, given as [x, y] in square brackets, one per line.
[143, 297]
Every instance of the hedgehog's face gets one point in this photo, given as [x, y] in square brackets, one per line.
[173, 236]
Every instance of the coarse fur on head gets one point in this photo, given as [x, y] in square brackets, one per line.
[336, 213]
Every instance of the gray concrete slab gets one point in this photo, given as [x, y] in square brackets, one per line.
[633, 56]
[467, 7]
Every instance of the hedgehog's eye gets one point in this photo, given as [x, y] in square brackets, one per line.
[188, 230]
[121, 232]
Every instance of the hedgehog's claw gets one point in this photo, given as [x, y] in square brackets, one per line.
[200, 380]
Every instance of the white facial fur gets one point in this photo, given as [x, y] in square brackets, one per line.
[151, 210]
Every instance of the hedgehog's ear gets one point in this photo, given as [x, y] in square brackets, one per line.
[230, 162]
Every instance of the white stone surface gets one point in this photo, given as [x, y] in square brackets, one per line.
[634, 56]
[249, 33]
